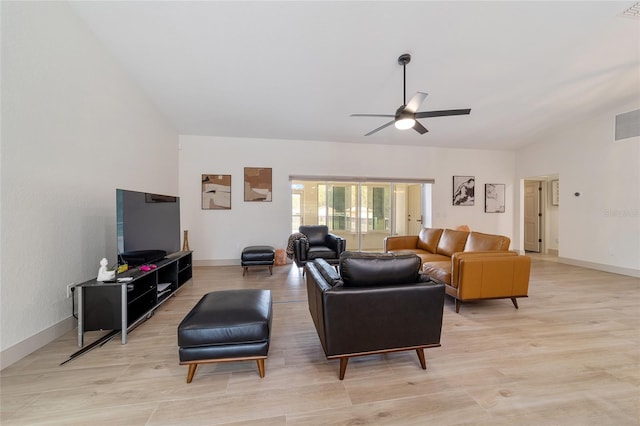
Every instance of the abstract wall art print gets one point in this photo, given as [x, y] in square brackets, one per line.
[464, 190]
[216, 192]
[257, 184]
[494, 197]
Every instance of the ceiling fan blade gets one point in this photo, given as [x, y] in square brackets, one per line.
[371, 115]
[420, 128]
[426, 114]
[381, 127]
[415, 102]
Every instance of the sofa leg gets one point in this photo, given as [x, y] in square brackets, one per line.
[343, 366]
[270, 270]
[261, 369]
[458, 303]
[191, 372]
[423, 362]
[515, 303]
[244, 270]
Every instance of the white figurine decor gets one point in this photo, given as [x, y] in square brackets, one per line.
[103, 274]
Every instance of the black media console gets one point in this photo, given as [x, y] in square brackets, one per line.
[120, 306]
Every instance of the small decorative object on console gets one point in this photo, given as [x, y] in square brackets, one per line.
[147, 268]
[103, 273]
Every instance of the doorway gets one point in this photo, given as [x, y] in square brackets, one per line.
[362, 212]
[540, 214]
[533, 216]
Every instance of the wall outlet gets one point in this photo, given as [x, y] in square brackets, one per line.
[69, 287]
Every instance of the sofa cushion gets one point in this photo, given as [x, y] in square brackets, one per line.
[478, 241]
[378, 269]
[328, 272]
[451, 242]
[317, 252]
[430, 257]
[438, 271]
[315, 234]
[428, 239]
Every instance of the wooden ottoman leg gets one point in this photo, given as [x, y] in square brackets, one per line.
[261, 369]
[423, 362]
[343, 366]
[191, 372]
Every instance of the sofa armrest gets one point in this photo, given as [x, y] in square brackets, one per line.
[335, 243]
[491, 275]
[300, 249]
[358, 320]
[459, 256]
[400, 242]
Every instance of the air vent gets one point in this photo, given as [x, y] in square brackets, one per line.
[628, 125]
[632, 11]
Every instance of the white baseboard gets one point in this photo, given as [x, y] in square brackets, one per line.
[553, 252]
[217, 262]
[22, 349]
[601, 267]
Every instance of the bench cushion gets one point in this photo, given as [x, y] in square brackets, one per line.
[258, 255]
[227, 317]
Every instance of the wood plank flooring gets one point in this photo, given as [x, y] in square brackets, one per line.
[569, 356]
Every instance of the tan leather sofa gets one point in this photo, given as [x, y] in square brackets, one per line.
[472, 265]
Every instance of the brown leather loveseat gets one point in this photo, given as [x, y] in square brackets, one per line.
[472, 265]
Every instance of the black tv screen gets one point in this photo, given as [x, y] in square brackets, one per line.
[148, 226]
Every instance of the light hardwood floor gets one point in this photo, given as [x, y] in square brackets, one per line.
[569, 356]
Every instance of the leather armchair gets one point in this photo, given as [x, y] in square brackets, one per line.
[318, 243]
[377, 303]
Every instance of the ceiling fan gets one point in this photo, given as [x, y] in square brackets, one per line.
[406, 116]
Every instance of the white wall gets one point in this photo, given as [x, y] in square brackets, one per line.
[74, 127]
[218, 236]
[601, 227]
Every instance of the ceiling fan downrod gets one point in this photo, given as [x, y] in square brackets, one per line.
[403, 60]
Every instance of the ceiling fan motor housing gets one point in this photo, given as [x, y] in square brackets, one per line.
[404, 59]
[402, 113]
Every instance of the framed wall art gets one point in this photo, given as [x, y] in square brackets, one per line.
[494, 197]
[257, 184]
[464, 190]
[216, 192]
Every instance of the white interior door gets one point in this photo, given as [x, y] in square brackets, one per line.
[414, 210]
[532, 215]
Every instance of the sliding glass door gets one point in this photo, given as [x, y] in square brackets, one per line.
[363, 213]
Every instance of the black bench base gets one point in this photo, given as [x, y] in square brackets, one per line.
[228, 325]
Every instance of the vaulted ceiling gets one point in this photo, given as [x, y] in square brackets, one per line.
[297, 70]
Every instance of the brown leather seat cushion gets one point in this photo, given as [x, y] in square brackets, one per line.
[438, 271]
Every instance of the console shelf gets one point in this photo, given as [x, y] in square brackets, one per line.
[120, 306]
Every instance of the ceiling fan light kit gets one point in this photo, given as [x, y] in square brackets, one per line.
[406, 115]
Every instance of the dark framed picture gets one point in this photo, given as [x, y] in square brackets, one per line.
[216, 192]
[494, 197]
[464, 190]
[257, 184]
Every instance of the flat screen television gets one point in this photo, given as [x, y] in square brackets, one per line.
[148, 226]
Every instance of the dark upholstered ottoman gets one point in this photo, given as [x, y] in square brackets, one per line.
[228, 325]
[258, 256]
